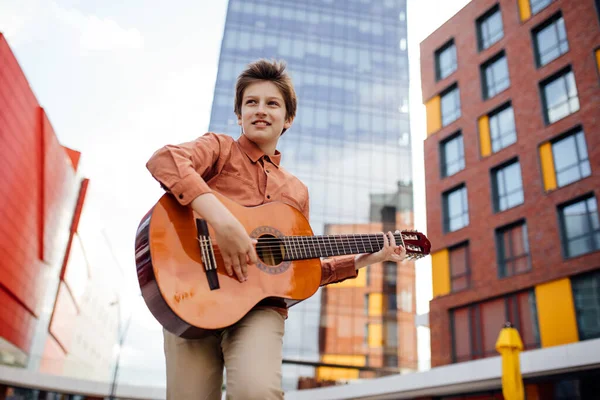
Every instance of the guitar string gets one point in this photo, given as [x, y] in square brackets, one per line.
[276, 243]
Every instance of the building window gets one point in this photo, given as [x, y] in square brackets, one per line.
[445, 60]
[560, 96]
[495, 76]
[453, 155]
[475, 328]
[390, 273]
[450, 105]
[513, 250]
[502, 128]
[550, 40]
[539, 5]
[586, 296]
[391, 334]
[456, 209]
[489, 28]
[507, 186]
[571, 161]
[392, 302]
[390, 361]
[460, 272]
[580, 227]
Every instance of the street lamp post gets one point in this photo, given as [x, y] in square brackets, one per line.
[122, 334]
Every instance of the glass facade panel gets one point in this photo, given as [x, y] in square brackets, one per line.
[450, 105]
[456, 209]
[496, 79]
[539, 5]
[502, 129]
[551, 41]
[459, 267]
[560, 97]
[453, 155]
[489, 28]
[349, 143]
[571, 161]
[580, 227]
[445, 60]
[475, 327]
[508, 187]
[586, 295]
[513, 250]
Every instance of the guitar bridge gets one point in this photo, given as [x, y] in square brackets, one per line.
[207, 254]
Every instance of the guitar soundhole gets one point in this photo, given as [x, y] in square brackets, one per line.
[270, 250]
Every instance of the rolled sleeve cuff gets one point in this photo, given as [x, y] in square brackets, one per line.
[338, 270]
[189, 188]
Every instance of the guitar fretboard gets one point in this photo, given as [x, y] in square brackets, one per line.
[306, 247]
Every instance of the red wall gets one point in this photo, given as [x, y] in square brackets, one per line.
[38, 196]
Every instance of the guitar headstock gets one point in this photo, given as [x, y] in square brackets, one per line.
[416, 243]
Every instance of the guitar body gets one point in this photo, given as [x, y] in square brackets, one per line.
[173, 278]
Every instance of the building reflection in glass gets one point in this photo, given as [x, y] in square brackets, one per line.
[350, 144]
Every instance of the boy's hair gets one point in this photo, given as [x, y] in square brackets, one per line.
[272, 71]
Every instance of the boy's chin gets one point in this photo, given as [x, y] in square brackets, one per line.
[261, 135]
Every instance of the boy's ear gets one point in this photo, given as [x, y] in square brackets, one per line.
[288, 123]
[239, 120]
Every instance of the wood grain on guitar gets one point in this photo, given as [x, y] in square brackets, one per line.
[183, 279]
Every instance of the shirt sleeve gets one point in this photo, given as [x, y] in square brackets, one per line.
[334, 270]
[182, 169]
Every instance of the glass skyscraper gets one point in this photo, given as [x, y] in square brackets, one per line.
[350, 143]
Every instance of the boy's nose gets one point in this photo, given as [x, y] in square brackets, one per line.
[260, 109]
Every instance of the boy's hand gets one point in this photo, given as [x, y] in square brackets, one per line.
[391, 251]
[235, 245]
[237, 248]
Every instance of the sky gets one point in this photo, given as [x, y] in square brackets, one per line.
[120, 79]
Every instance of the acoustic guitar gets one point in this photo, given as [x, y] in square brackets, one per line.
[183, 279]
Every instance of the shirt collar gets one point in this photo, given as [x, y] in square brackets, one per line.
[254, 152]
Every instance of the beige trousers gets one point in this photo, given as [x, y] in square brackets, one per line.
[250, 351]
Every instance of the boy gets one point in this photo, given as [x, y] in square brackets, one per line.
[246, 170]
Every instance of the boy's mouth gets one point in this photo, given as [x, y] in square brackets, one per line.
[261, 122]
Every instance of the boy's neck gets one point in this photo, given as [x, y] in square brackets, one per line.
[268, 149]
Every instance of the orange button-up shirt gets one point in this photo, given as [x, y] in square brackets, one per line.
[241, 171]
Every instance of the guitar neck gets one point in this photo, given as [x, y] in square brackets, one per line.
[307, 247]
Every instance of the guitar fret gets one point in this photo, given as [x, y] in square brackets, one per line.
[295, 244]
[355, 237]
[371, 244]
[319, 241]
[304, 247]
[290, 246]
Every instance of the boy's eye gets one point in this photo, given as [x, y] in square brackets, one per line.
[250, 101]
[275, 103]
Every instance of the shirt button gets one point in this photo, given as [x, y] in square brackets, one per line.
[181, 196]
[268, 171]
[268, 196]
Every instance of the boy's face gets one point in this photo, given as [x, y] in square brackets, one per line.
[263, 113]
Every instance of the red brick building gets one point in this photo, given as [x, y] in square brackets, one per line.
[512, 171]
